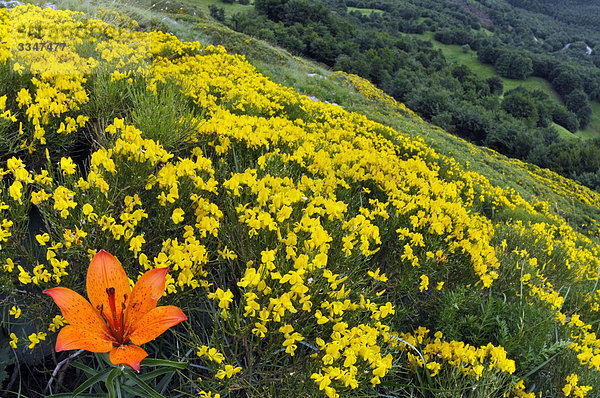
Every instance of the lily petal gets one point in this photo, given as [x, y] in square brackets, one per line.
[130, 355]
[155, 322]
[106, 273]
[144, 296]
[73, 338]
[79, 312]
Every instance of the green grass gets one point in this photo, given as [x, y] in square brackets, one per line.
[365, 11]
[593, 130]
[229, 8]
[455, 53]
[563, 132]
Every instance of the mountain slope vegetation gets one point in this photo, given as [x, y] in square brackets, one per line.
[392, 48]
[317, 249]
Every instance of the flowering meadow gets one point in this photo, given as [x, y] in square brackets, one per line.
[314, 252]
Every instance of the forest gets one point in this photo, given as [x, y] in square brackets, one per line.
[383, 41]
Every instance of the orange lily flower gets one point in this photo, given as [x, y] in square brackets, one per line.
[119, 319]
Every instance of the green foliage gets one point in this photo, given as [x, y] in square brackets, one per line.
[521, 106]
[217, 13]
[577, 102]
[566, 82]
[273, 9]
[497, 318]
[488, 54]
[452, 96]
[513, 65]
[120, 381]
[453, 36]
[563, 117]
[6, 359]
[167, 110]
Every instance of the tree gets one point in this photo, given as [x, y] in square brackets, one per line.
[522, 67]
[578, 103]
[513, 65]
[511, 139]
[549, 135]
[429, 102]
[471, 122]
[217, 13]
[543, 65]
[273, 9]
[460, 71]
[488, 54]
[304, 11]
[563, 117]
[453, 36]
[566, 82]
[496, 85]
[521, 106]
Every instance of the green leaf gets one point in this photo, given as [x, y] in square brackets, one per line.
[132, 391]
[145, 388]
[155, 373]
[86, 369]
[118, 388]
[110, 382]
[164, 383]
[90, 382]
[164, 362]
[71, 395]
[104, 357]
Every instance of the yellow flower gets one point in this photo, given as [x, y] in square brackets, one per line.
[57, 322]
[15, 190]
[13, 340]
[209, 394]
[42, 239]
[434, 367]
[378, 277]
[9, 266]
[36, 338]
[67, 166]
[211, 353]
[15, 311]
[227, 254]
[424, 285]
[23, 97]
[228, 372]
[177, 216]
[135, 244]
[24, 276]
[18, 68]
[225, 298]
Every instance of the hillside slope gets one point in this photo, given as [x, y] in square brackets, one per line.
[490, 41]
[370, 252]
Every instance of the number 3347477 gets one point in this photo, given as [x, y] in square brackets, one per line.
[43, 46]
